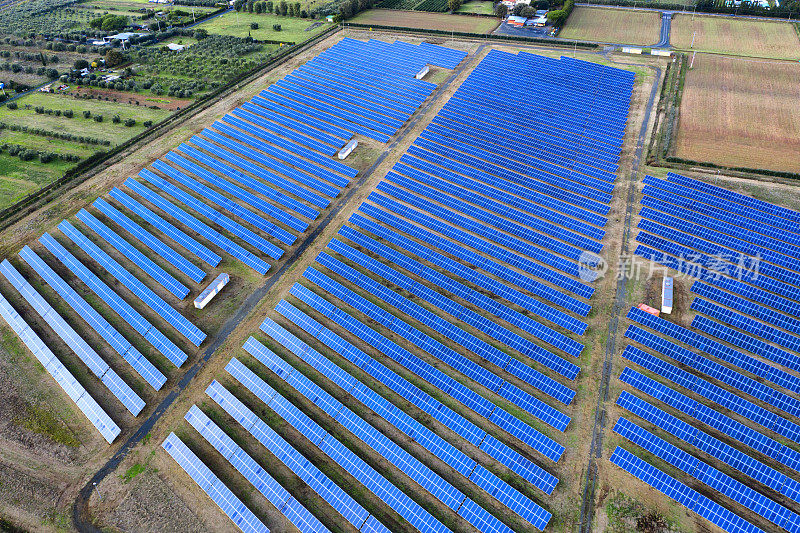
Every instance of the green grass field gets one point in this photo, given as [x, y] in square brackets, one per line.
[116, 133]
[238, 25]
[477, 6]
[20, 178]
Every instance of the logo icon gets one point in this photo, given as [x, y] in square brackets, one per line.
[591, 266]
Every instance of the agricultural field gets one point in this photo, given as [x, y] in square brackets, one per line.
[608, 25]
[293, 29]
[742, 113]
[25, 129]
[481, 7]
[745, 37]
[421, 20]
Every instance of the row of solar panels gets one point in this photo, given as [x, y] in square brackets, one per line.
[93, 412]
[365, 88]
[741, 253]
[327, 444]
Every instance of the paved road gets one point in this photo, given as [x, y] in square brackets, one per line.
[207, 19]
[666, 25]
[595, 452]
[80, 512]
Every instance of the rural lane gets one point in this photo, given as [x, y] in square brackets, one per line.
[596, 449]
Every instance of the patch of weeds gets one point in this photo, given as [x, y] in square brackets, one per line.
[132, 472]
[44, 422]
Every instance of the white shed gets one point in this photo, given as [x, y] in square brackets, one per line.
[212, 290]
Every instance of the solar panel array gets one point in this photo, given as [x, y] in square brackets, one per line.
[469, 261]
[211, 485]
[244, 188]
[96, 415]
[733, 370]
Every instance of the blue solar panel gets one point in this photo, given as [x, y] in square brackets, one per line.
[168, 229]
[265, 172]
[254, 473]
[680, 492]
[445, 492]
[80, 347]
[212, 214]
[143, 292]
[164, 278]
[148, 239]
[714, 419]
[243, 255]
[482, 245]
[157, 339]
[125, 349]
[486, 378]
[443, 414]
[245, 214]
[319, 482]
[88, 406]
[212, 486]
[264, 189]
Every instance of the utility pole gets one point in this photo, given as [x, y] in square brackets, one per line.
[693, 35]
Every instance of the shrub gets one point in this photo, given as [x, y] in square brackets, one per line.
[147, 123]
[116, 119]
[130, 122]
[98, 118]
[254, 25]
[87, 114]
[12, 105]
[68, 113]
[276, 27]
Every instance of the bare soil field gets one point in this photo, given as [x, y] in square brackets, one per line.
[727, 35]
[425, 20]
[741, 113]
[612, 26]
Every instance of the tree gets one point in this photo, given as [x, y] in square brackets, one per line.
[453, 5]
[283, 8]
[270, 6]
[291, 10]
[501, 11]
[200, 34]
[259, 7]
[80, 64]
[114, 58]
[297, 9]
[254, 25]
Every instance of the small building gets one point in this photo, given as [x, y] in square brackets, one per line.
[329, 18]
[538, 20]
[124, 37]
[212, 290]
[175, 47]
[647, 309]
[666, 295]
[348, 148]
[422, 72]
[511, 4]
[516, 21]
